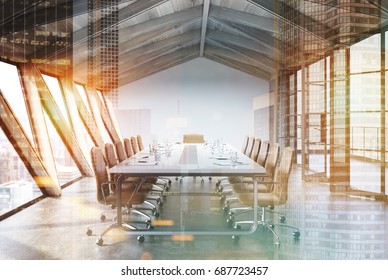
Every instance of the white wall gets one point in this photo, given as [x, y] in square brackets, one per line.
[216, 100]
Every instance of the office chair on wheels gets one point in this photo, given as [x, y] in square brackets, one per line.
[278, 195]
[107, 195]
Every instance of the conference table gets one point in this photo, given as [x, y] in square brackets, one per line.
[187, 160]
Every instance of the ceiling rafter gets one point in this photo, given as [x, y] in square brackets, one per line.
[213, 54]
[240, 41]
[160, 64]
[144, 54]
[239, 54]
[259, 22]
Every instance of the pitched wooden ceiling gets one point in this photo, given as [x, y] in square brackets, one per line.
[153, 34]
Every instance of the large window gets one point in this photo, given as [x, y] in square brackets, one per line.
[365, 114]
[66, 168]
[16, 184]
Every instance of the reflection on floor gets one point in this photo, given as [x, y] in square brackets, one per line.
[332, 226]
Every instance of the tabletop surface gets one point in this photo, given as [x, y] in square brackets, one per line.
[189, 159]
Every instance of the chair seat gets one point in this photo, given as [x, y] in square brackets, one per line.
[127, 193]
[263, 199]
[241, 188]
[248, 180]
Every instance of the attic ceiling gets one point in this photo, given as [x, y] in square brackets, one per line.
[153, 34]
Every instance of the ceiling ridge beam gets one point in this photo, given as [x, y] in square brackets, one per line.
[206, 6]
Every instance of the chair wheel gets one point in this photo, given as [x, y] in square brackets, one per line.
[236, 238]
[296, 234]
[282, 218]
[150, 227]
[89, 232]
[167, 188]
[102, 218]
[210, 178]
[237, 227]
[140, 238]
[230, 222]
[225, 209]
[99, 241]
[271, 226]
[155, 213]
[169, 182]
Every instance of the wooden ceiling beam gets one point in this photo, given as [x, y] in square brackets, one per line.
[142, 54]
[240, 41]
[159, 64]
[219, 56]
[239, 54]
[259, 22]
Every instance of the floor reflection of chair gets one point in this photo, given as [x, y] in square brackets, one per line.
[108, 196]
[277, 196]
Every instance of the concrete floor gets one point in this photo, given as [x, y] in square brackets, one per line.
[332, 226]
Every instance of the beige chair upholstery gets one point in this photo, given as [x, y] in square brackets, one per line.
[128, 147]
[193, 138]
[249, 148]
[140, 142]
[121, 155]
[135, 146]
[255, 149]
[263, 153]
[245, 144]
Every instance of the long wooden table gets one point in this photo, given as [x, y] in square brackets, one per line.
[187, 160]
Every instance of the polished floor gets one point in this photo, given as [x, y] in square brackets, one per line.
[332, 226]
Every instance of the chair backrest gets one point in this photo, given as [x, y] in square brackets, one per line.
[249, 148]
[140, 142]
[263, 153]
[128, 147]
[100, 173]
[282, 174]
[135, 147]
[110, 155]
[272, 159]
[193, 138]
[121, 155]
[255, 149]
[245, 144]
